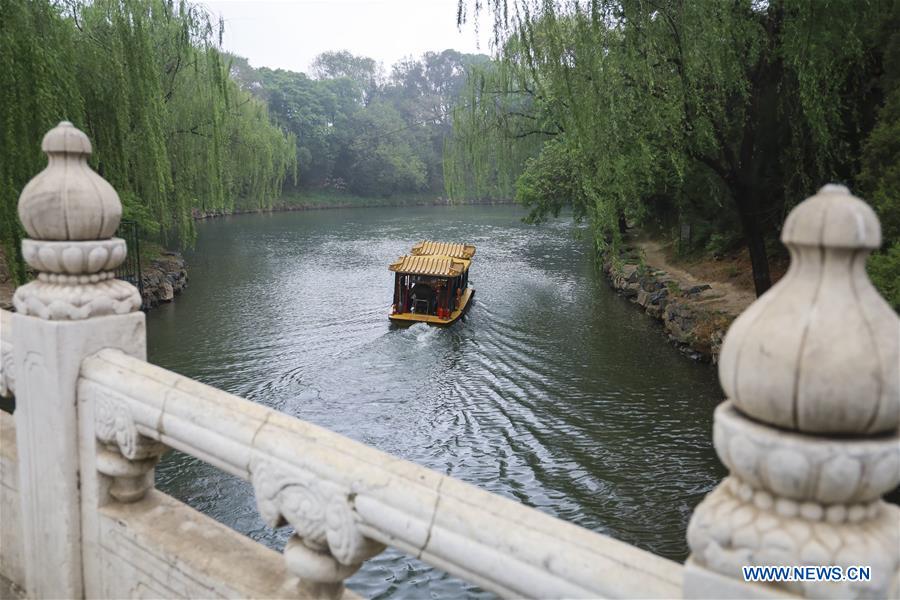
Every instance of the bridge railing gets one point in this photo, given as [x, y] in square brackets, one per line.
[809, 436]
[346, 501]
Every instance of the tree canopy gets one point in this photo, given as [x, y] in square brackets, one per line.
[720, 114]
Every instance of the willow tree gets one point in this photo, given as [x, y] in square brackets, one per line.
[753, 102]
[37, 89]
[147, 81]
[174, 132]
[501, 119]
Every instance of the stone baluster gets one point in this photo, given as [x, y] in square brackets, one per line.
[809, 431]
[327, 546]
[124, 456]
[75, 308]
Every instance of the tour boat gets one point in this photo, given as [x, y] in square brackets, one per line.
[431, 283]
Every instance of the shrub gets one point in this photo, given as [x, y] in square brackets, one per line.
[884, 269]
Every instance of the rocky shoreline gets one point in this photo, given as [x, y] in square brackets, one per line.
[689, 315]
[163, 279]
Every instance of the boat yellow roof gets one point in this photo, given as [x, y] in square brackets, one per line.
[431, 248]
[438, 266]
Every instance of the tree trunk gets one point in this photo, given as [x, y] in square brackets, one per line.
[756, 243]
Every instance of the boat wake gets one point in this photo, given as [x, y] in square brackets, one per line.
[421, 332]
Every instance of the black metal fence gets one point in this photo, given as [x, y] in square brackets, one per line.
[130, 270]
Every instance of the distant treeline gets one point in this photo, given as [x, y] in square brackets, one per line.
[146, 81]
[361, 130]
[720, 115]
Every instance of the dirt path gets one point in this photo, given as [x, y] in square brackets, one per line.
[722, 295]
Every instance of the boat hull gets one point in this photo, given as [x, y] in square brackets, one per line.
[409, 318]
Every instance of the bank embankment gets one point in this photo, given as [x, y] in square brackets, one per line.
[695, 311]
[326, 201]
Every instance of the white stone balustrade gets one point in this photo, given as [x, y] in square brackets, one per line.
[809, 435]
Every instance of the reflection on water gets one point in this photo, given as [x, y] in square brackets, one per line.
[552, 391]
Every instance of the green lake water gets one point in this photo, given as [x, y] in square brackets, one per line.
[552, 391]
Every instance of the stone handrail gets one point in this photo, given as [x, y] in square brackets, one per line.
[346, 501]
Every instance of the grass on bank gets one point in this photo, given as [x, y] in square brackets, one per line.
[150, 251]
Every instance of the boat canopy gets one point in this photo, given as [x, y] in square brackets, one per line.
[430, 248]
[438, 266]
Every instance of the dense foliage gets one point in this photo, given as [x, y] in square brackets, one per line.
[360, 130]
[146, 81]
[880, 175]
[719, 115]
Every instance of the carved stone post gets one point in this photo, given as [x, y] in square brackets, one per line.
[73, 309]
[810, 429]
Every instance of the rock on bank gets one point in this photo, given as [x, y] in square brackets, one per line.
[163, 279]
